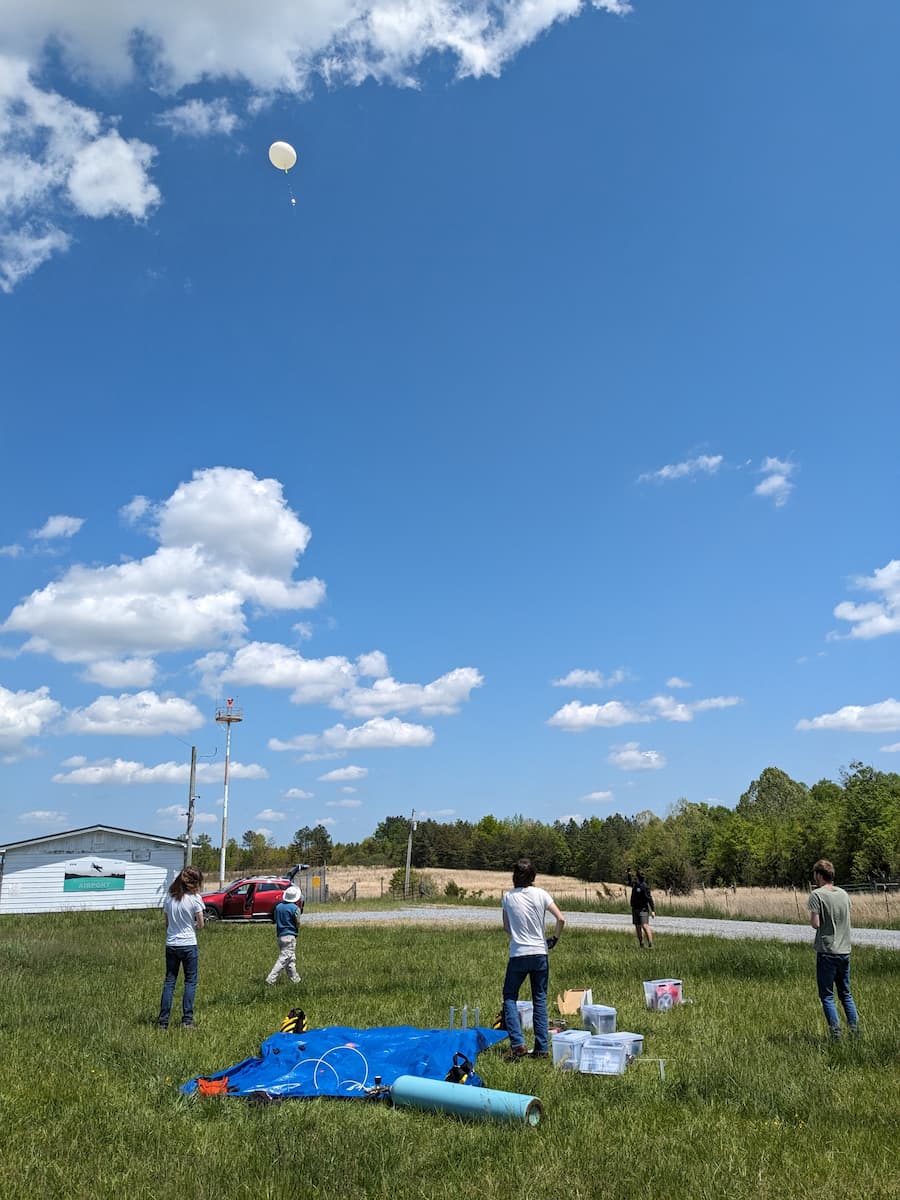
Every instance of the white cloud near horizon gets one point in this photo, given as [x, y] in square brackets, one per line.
[704, 464]
[226, 540]
[630, 757]
[298, 794]
[597, 798]
[84, 161]
[344, 773]
[121, 673]
[576, 717]
[343, 803]
[883, 717]
[377, 734]
[581, 678]
[43, 816]
[124, 773]
[776, 484]
[675, 682]
[270, 814]
[877, 617]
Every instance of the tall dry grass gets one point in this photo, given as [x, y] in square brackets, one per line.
[749, 904]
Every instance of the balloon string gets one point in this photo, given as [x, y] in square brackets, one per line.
[290, 190]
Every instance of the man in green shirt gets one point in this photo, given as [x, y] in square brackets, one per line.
[829, 915]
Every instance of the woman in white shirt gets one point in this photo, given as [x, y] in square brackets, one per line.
[183, 910]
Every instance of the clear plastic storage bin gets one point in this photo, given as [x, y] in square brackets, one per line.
[662, 994]
[526, 1013]
[633, 1042]
[598, 1018]
[567, 1048]
[599, 1056]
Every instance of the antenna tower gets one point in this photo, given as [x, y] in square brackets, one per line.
[227, 716]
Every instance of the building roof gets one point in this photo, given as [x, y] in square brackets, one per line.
[67, 833]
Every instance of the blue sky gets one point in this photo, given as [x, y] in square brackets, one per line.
[540, 460]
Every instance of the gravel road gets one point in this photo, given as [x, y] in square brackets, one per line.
[885, 939]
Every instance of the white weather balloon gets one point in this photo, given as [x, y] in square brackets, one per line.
[282, 155]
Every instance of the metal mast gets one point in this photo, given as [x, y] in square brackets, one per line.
[226, 716]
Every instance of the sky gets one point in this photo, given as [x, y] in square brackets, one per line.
[540, 459]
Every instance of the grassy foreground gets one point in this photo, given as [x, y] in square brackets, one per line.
[755, 1102]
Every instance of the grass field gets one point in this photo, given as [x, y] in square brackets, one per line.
[755, 1102]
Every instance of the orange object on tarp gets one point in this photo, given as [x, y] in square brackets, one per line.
[213, 1087]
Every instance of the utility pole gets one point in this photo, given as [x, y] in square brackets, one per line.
[189, 840]
[226, 716]
[412, 829]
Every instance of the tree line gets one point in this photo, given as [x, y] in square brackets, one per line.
[773, 835]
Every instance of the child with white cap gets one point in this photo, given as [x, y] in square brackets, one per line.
[286, 915]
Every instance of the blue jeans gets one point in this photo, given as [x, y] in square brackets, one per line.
[187, 957]
[537, 968]
[833, 970]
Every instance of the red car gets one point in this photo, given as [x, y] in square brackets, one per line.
[247, 900]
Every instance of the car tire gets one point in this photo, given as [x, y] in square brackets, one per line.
[211, 914]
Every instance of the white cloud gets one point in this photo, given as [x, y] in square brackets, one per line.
[894, 748]
[675, 682]
[178, 814]
[263, 832]
[348, 790]
[876, 617]
[56, 157]
[377, 734]
[883, 717]
[135, 510]
[226, 539]
[373, 665]
[630, 757]
[138, 714]
[108, 178]
[579, 678]
[43, 816]
[597, 797]
[124, 773]
[343, 803]
[270, 664]
[60, 526]
[776, 484]
[576, 717]
[121, 673]
[24, 715]
[344, 773]
[704, 464]
[327, 821]
[201, 118]
[298, 794]
[435, 814]
[439, 698]
[13, 551]
[270, 814]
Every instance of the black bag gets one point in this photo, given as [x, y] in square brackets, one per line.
[294, 1022]
[462, 1071]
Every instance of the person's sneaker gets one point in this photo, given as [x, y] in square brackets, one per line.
[539, 1054]
[188, 1026]
[516, 1053]
[855, 1032]
[161, 1027]
[835, 1033]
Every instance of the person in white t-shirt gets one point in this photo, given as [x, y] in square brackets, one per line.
[524, 913]
[183, 910]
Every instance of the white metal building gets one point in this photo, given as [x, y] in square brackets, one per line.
[98, 867]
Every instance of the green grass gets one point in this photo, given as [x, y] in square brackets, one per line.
[755, 1103]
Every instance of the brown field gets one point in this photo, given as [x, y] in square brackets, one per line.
[761, 904]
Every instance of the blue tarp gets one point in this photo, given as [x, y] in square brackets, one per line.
[340, 1061]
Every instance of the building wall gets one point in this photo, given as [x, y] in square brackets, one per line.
[93, 870]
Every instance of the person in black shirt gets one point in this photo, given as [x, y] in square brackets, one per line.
[642, 907]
